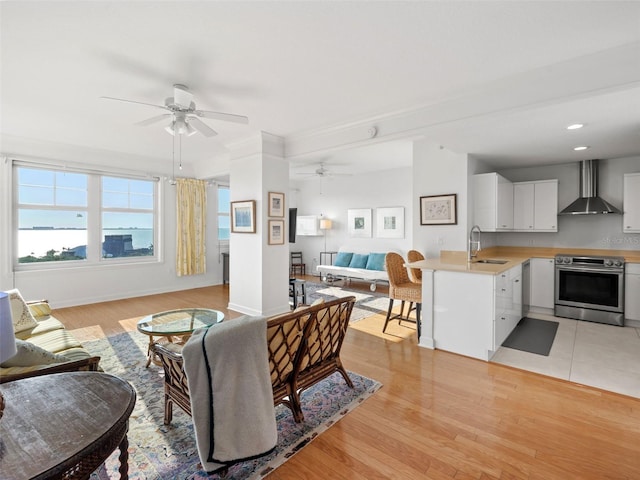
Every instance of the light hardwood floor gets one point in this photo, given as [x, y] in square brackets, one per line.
[438, 415]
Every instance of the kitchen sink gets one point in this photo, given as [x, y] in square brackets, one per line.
[492, 261]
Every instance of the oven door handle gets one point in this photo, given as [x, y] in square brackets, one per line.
[589, 270]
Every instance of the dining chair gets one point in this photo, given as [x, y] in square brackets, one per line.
[402, 288]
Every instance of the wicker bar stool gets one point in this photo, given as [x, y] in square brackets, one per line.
[402, 288]
[415, 273]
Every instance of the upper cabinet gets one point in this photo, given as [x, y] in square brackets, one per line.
[535, 206]
[631, 203]
[493, 202]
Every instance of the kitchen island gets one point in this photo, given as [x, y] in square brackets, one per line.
[470, 308]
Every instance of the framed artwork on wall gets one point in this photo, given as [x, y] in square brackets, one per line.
[276, 232]
[276, 204]
[438, 210]
[390, 222]
[359, 222]
[243, 216]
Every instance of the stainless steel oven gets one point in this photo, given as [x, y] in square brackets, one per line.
[590, 288]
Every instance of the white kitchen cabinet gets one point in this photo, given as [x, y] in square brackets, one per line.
[477, 326]
[542, 283]
[508, 304]
[493, 202]
[535, 206]
[631, 203]
[632, 291]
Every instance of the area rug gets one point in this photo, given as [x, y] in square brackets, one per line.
[367, 303]
[532, 335]
[159, 452]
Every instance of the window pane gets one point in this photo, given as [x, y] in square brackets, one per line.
[29, 195]
[142, 201]
[46, 235]
[68, 197]
[31, 176]
[71, 180]
[127, 234]
[115, 200]
[223, 200]
[113, 184]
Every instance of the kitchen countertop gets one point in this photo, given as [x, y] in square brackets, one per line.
[456, 261]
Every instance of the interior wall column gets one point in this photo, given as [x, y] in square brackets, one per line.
[259, 272]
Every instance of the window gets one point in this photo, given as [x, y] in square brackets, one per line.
[224, 207]
[67, 216]
[127, 217]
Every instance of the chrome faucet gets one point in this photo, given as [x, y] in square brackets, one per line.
[474, 253]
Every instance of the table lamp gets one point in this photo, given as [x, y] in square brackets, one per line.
[7, 337]
[325, 224]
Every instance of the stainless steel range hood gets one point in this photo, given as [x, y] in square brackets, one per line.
[589, 202]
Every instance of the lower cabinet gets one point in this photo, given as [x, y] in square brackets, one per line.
[473, 313]
[508, 304]
[542, 283]
[632, 287]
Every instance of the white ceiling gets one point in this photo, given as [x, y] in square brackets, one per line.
[499, 80]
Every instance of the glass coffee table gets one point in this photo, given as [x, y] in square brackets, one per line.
[176, 326]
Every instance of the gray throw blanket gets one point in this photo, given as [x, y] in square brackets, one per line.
[227, 370]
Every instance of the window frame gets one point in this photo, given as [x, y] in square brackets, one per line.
[94, 212]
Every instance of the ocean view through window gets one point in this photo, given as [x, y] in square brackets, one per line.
[66, 216]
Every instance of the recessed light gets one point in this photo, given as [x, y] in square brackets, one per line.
[582, 147]
[575, 126]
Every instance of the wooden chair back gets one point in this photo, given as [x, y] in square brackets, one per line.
[415, 273]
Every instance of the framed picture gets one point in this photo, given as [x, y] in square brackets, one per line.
[390, 222]
[359, 222]
[438, 210]
[276, 204]
[276, 232]
[243, 216]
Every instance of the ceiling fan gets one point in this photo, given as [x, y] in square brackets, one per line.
[185, 118]
[323, 172]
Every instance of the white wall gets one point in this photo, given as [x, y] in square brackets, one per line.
[89, 284]
[333, 196]
[438, 171]
[585, 231]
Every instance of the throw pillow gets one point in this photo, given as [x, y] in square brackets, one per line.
[20, 313]
[30, 354]
[40, 309]
[358, 261]
[376, 261]
[343, 259]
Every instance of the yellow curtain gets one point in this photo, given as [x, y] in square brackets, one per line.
[191, 205]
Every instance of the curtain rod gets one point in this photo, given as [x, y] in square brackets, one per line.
[82, 169]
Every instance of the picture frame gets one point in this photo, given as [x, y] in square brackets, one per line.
[438, 209]
[243, 216]
[276, 232]
[390, 222]
[359, 222]
[276, 204]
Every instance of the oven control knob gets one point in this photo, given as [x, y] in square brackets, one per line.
[608, 262]
[618, 263]
[566, 260]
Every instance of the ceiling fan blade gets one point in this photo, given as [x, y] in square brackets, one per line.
[202, 127]
[227, 117]
[139, 103]
[151, 120]
[182, 96]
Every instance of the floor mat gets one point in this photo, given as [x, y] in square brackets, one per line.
[532, 335]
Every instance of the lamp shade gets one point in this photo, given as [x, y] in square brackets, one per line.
[7, 337]
[325, 224]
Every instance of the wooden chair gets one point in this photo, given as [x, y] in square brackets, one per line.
[415, 273]
[304, 347]
[297, 265]
[402, 288]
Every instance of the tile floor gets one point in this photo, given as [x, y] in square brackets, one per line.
[603, 356]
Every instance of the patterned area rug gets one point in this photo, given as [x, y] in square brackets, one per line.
[367, 303]
[159, 452]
